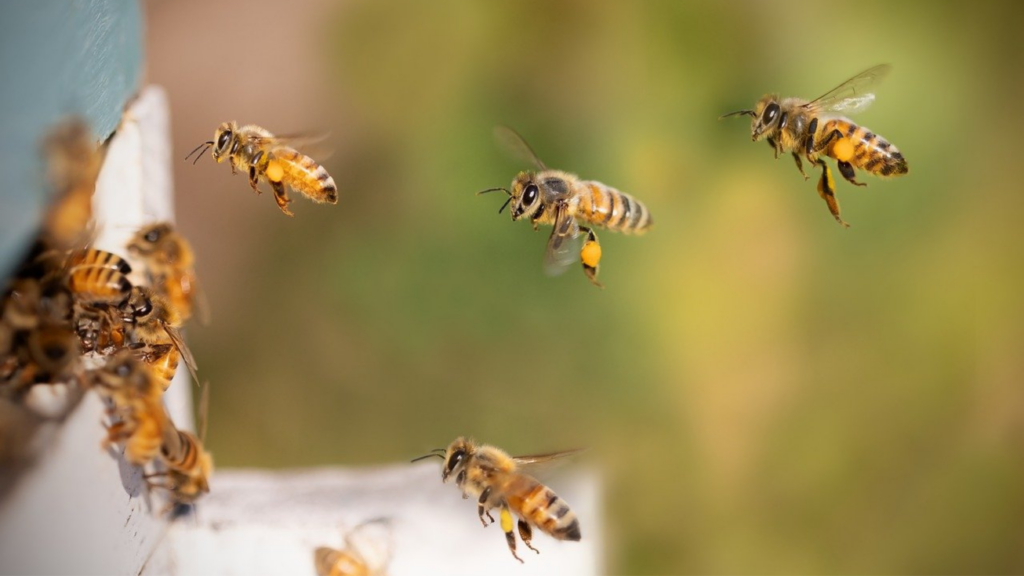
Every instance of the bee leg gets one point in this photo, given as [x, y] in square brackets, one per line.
[254, 179]
[775, 147]
[506, 526]
[824, 143]
[800, 165]
[526, 533]
[480, 510]
[281, 196]
[827, 191]
[590, 256]
[846, 169]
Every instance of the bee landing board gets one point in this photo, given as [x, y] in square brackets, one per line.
[261, 522]
[79, 509]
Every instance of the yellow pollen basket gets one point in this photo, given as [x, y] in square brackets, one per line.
[275, 171]
[591, 254]
[506, 520]
[843, 150]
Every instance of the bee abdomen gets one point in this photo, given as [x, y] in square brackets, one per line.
[546, 510]
[304, 175]
[870, 152]
[607, 207]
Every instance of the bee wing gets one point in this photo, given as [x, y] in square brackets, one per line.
[516, 145]
[851, 96]
[186, 354]
[560, 253]
[535, 459]
[309, 144]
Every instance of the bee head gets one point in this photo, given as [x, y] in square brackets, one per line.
[766, 115]
[147, 240]
[525, 196]
[223, 140]
[455, 459]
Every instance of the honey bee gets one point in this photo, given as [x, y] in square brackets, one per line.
[188, 464]
[73, 162]
[153, 332]
[562, 200]
[170, 262]
[98, 276]
[142, 421]
[494, 478]
[816, 129]
[355, 558]
[271, 158]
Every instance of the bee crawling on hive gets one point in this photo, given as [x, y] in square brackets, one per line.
[264, 157]
[496, 480]
[815, 128]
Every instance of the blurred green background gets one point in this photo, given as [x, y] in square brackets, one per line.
[764, 391]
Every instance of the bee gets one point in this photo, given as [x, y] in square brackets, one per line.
[142, 421]
[362, 555]
[563, 201]
[815, 129]
[152, 330]
[188, 465]
[98, 276]
[263, 156]
[494, 478]
[170, 262]
[73, 162]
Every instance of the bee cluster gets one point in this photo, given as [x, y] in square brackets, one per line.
[72, 318]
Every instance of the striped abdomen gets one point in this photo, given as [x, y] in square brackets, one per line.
[541, 507]
[99, 282]
[605, 206]
[99, 258]
[181, 450]
[870, 152]
[304, 175]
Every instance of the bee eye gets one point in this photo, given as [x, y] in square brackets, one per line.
[770, 113]
[530, 195]
[222, 141]
[152, 236]
[454, 460]
[122, 370]
[143, 310]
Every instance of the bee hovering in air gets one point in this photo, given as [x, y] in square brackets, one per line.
[563, 201]
[817, 129]
[494, 478]
[270, 158]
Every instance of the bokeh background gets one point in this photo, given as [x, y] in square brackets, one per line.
[763, 391]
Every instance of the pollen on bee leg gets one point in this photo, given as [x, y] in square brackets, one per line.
[590, 255]
[842, 150]
[274, 171]
[506, 520]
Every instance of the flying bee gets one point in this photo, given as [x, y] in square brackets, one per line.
[563, 201]
[364, 553]
[170, 262]
[263, 156]
[142, 420]
[73, 162]
[494, 478]
[815, 128]
[152, 330]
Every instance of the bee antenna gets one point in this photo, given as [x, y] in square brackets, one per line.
[504, 205]
[737, 113]
[424, 457]
[505, 190]
[205, 146]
